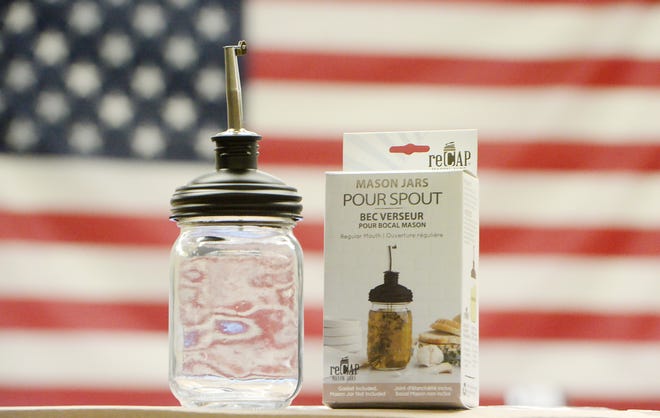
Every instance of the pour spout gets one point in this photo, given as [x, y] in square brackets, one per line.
[389, 248]
[236, 148]
[233, 86]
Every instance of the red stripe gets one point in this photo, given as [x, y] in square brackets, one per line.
[574, 241]
[54, 396]
[557, 155]
[649, 404]
[510, 324]
[500, 154]
[569, 325]
[87, 228]
[114, 229]
[363, 68]
[326, 154]
[49, 396]
[313, 322]
[121, 230]
[67, 315]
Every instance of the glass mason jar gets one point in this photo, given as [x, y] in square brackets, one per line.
[236, 312]
[236, 276]
[389, 336]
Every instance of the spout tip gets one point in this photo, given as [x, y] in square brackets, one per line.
[239, 49]
[242, 48]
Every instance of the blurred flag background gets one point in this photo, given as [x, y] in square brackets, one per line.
[106, 106]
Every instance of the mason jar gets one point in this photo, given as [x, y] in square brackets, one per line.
[389, 335]
[236, 312]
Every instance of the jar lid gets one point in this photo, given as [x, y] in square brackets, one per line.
[390, 291]
[236, 192]
[237, 187]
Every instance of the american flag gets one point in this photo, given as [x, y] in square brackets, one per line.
[106, 106]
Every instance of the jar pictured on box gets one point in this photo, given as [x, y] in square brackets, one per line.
[236, 278]
[389, 334]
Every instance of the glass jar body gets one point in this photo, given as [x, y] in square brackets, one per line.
[236, 313]
[389, 336]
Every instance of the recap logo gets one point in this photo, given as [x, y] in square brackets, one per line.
[344, 368]
[450, 157]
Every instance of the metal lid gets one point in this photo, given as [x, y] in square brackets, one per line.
[390, 291]
[237, 187]
[230, 193]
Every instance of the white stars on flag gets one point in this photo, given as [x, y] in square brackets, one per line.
[114, 77]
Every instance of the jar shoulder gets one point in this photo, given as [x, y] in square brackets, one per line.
[218, 239]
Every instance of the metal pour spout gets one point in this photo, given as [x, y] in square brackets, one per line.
[233, 87]
[236, 148]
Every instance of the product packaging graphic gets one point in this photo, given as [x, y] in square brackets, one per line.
[401, 257]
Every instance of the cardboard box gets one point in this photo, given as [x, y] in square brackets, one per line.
[401, 265]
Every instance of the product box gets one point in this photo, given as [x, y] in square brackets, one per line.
[401, 260]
